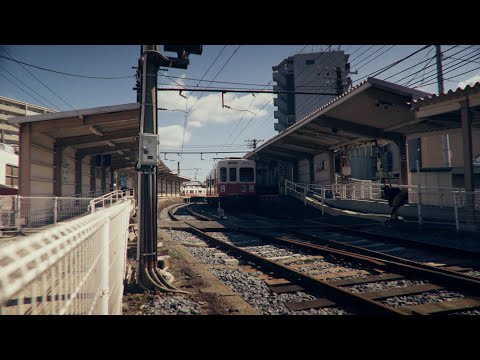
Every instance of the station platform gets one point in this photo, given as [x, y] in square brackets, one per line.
[443, 234]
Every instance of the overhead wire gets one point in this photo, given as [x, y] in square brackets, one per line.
[68, 74]
[40, 81]
[20, 81]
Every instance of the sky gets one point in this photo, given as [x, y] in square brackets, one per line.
[209, 126]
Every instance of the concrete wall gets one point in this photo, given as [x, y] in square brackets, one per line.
[321, 169]
[42, 166]
[320, 73]
[432, 154]
[86, 176]
[68, 172]
[303, 171]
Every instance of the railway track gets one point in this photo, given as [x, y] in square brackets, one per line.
[349, 275]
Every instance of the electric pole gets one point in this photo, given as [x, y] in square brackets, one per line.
[148, 275]
[439, 69]
[447, 159]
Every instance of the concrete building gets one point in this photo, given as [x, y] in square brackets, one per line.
[12, 108]
[8, 169]
[325, 72]
[194, 188]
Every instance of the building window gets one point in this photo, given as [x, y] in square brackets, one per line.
[309, 62]
[11, 175]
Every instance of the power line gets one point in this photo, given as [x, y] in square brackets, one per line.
[475, 56]
[68, 74]
[218, 73]
[40, 81]
[382, 70]
[249, 91]
[376, 57]
[426, 67]
[41, 102]
[22, 89]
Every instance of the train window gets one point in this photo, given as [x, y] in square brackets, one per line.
[232, 174]
[223, 174]
[246, 175]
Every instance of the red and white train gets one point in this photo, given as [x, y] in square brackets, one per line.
[232, 179]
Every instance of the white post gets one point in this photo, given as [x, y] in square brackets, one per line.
[104, 268]
[323, 200]
[55, 209]
[455, 206]
[17, 212]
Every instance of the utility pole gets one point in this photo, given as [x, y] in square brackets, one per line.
[439, 69]
[148, 275]
[148, 160]
[447, 158]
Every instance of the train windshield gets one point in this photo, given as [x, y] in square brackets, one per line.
[223, 174]
[246, 174]
[232, 174]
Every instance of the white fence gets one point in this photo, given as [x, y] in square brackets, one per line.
[26, 212]
[427, 204]
[29, 212]
[75, 267]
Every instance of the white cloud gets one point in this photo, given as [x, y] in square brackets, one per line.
[208, 109]
[471, 81]
[171, 136]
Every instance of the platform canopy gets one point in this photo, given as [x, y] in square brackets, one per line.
[373, 109]
[440, 113]
[110, 130]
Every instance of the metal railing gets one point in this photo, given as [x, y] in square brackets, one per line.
[75, 267]
[426, 204]
[110, 198]
[28, 212]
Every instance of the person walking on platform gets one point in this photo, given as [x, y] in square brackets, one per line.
[396, 198]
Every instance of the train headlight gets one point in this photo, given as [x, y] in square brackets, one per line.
[252, 188]
[222, 188]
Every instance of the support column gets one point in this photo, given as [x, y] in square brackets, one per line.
[57, 174]
[24, 159]
[331, 166]
[112, 179]
[78, 173]
[311, 161]
[104, 177]
[469, 178]
[402, 155]
[93, 173]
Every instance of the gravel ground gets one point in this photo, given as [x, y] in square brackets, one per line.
[382, 285]
[172, 305]
[474, 273]
[185, 236]
[257, 293]
[246, 284]
[426, 297]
